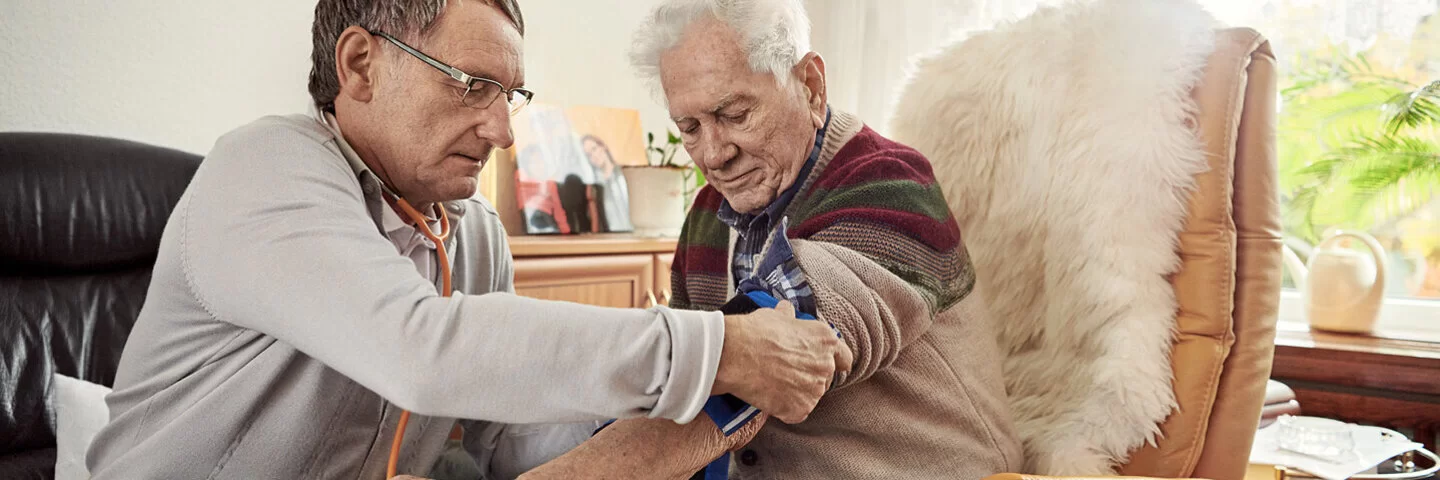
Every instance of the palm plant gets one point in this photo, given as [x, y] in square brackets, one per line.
[1360, 146]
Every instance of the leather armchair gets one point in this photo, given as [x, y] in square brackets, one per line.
[80, 219]
[1228, 286]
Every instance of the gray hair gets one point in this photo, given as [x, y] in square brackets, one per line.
[404, 19]
[776, 33]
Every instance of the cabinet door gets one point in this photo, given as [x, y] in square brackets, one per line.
[662, 276]
[624, 281]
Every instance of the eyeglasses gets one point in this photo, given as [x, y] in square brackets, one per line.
[480, 92]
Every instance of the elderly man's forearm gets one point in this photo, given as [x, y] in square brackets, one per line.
[640, 448]
[877, 312]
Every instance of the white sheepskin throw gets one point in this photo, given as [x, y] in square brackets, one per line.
[1064, 146]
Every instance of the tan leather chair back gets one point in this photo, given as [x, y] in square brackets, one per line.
[1228, 286]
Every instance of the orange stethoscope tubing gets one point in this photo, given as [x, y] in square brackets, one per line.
[444, 258]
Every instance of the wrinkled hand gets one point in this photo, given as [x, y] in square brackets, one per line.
[407, 477]
[778, 363]
[647, 448]
[746, 433]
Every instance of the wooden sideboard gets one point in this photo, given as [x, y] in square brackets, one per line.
[609, 270]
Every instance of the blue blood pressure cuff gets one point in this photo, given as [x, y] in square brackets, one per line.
[728, 411]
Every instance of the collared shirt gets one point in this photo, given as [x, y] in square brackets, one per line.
[762, 257]
[407, 239]
[499, 448]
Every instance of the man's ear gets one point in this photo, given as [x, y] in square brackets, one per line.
[811, 72]
[357, 55]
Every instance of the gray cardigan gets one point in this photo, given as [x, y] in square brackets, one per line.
[282, 332]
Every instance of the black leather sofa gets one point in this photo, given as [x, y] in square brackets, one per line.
[80, 224]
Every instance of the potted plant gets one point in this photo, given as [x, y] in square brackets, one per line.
[661, 192]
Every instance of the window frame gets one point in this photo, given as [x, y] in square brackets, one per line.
[1401, 318]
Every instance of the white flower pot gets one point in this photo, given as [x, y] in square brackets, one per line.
[657, 200]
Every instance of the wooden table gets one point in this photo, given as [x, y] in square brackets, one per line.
[1377, 379]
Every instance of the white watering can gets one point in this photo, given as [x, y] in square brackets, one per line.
[1342, 289]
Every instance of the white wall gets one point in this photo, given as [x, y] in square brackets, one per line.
[181, 73]
[577, 53]
[169, 72]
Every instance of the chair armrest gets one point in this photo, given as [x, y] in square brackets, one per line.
[1018, 476]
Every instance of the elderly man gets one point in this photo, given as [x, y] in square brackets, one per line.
[807, 204]
[294, 309]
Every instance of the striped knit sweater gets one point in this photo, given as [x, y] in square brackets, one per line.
[866, 193]
[871, 231]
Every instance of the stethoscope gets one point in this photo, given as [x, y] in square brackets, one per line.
[439, 239]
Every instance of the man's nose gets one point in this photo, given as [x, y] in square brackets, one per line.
[715, 149]
[492, 124]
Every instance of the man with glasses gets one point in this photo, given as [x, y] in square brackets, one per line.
[296, 308]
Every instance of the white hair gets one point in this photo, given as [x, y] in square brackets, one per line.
[776, 33]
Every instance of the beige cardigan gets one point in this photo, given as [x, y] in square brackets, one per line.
[935, 408]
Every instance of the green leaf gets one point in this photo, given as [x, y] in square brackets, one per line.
[1413, 108]
[1363, 183]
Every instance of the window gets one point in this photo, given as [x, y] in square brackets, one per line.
[1357, 144]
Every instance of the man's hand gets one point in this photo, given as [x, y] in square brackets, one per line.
[778, 363]
[746, 433]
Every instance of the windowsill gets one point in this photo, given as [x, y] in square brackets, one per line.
[1405, 320]
[1372, 361]
[1291, 334]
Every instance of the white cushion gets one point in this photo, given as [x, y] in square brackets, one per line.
[80, 412]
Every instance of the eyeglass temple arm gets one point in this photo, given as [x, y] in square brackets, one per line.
[448, 70]
[453, 72]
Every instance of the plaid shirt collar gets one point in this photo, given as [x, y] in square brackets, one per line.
[763, 259]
